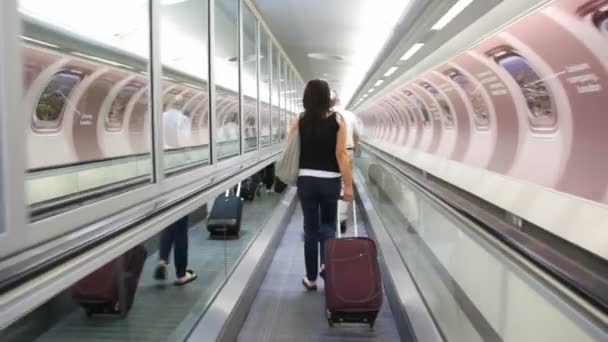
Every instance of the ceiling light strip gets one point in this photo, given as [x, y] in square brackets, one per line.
[391, 71]
[411, 51]
[451, 14]
[378, 83]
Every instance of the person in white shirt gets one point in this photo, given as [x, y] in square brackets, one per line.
[353, 136]
[353, 125]
[176, 127]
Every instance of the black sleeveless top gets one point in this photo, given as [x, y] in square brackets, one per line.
[318, 144]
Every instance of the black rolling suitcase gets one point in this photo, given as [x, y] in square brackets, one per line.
[249, 189]
[225, 216]
[111, 289]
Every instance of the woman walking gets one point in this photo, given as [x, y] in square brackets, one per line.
[323, 162]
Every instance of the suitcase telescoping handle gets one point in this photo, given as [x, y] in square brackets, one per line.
[238, 190]
[338, 231]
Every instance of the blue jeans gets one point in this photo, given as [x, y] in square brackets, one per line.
[319, 200]
[176, 236]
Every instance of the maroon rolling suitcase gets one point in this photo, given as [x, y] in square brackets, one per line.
[353, 290]
[111, 288]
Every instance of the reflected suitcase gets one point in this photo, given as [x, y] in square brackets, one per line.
[353, 289]
[343, 211]
[225, 216]
[111, 289]
[249, 189]
[279, 186]
[269, 176]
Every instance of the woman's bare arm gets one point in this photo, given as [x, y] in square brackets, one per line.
[344, 162]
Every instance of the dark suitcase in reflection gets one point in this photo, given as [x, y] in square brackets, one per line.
[279, 186]
[353, 289]
[268, 176]
[111, 289]
[225, 217]
[250, 189]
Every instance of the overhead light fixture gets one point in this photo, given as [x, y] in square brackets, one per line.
[40, 42]
[102, 60]
[192, 85]
[324, 56]
[411, 51]
[451, 14]
[391, 71]
[170, 2]
[371, 90]
[378, 83]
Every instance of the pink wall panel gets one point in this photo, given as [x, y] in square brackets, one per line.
[429, 115]
[530, 102]
[582, 66]
[415, 123]
[404, 124]
[456, 134]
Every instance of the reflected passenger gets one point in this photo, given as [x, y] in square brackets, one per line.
[353, 134]
[323, 161]
[175, 236]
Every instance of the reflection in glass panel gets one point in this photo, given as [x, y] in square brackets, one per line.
[83, 80]
[535, 90]
[249, 83]
[283, 101]
[54, 98]
[480, 107]
[183, 50]
[118, 108]
[444, 107]
[275, 94]
[226, 78]
[264, 87]
[293, 93]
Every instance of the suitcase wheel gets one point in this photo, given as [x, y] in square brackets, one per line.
[330, 322]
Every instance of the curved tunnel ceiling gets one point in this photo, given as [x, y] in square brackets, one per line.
[339, 43]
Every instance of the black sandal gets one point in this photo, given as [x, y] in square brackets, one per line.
[160, 273]
[307, 286]
[190, 279]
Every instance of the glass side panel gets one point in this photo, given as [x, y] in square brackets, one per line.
[160, 311]
[283, 99]
[85, 99]
[473, 289]
[226, 78]
[275, 118]
[185, 74]
[250, 78]
[264, 87]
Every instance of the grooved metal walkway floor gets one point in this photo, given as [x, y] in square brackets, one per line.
[284, 311]
[162, 313]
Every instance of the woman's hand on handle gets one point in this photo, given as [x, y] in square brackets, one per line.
[348, 194]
